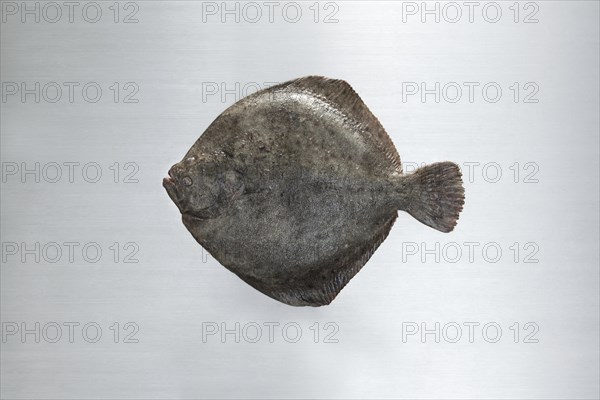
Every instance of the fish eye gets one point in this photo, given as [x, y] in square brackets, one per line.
[187, 181]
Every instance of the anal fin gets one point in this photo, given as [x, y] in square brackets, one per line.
[311, 290]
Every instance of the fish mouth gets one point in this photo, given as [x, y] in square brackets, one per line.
[187, 217]
[170, 185]
[168, 182]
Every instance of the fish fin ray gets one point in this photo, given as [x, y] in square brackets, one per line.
[437, 195]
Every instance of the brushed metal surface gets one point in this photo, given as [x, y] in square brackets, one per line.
[181, 57]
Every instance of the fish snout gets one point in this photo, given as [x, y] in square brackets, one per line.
[170, 184]
[175, 175]
[170, 180]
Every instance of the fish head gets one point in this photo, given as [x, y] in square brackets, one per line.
[202, 188]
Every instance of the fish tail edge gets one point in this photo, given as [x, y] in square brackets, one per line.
[436, 195]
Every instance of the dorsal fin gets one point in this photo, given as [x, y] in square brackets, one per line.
[340, 94]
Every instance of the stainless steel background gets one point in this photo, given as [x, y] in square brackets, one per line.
[170, 293]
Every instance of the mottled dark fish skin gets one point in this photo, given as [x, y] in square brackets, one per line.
[294, 187]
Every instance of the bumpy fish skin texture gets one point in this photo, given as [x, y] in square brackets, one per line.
[294, 187]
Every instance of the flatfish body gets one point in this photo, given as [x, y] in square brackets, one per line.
[294, 187]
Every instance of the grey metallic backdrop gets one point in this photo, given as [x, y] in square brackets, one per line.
[106, 295]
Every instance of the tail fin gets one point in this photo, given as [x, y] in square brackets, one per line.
[437, 195]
